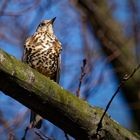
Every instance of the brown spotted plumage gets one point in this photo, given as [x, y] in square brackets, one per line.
[42, 52]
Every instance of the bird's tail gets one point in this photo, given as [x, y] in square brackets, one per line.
[35, 120]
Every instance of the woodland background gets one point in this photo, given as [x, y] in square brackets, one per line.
[106, 33]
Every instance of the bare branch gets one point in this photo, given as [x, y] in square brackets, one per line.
[42, 136]
[18, 13]
[125, 78]
[25, 133]
[81, 77]
[48, 99]
[115, 44]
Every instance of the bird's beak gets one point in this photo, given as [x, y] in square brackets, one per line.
[52, 20]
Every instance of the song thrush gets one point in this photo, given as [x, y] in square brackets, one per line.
[42, 52]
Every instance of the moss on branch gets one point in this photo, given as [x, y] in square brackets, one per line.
[55, 104]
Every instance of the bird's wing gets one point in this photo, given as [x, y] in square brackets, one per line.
[59, 49]
[26, 51]
[58, 69]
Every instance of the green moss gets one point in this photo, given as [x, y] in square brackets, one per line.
[78, 111]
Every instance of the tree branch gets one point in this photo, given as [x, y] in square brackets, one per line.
[55, 104]
[118, 48]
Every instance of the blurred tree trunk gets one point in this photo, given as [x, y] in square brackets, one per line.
[59, 106]
[118, 48]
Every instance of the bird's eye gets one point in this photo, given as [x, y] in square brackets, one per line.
[41, 24]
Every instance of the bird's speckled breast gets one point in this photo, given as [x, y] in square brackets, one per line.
[42, 53]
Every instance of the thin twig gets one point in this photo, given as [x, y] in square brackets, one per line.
[79, 86]
[11, 136]
[42, 136]
[81, 77]
[18, 13]
[125, 78]
[66, 136]
[25, 133]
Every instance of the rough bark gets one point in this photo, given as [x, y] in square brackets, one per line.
[55, 104]
[118, 48]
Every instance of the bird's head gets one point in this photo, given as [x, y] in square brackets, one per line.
[46, 26]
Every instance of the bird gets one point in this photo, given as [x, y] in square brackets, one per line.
[42, 51]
